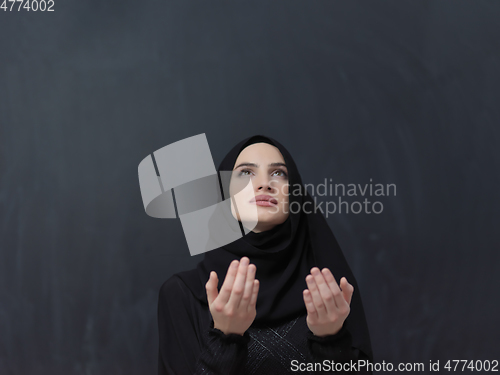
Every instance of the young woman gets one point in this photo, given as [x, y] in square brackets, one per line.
[268, 303]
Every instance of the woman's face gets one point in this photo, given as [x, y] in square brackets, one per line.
[264, 166]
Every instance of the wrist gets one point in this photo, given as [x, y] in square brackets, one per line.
[227, 332]
[323, 334]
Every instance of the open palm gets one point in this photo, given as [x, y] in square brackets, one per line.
[327, 304]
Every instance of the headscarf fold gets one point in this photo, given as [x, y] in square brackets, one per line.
[284, 256]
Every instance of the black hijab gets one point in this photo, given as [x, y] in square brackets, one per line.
[284, 257]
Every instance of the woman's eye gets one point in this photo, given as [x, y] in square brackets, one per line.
[245, 172]
[280, 173]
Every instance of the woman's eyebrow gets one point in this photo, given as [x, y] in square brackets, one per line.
[257, 166]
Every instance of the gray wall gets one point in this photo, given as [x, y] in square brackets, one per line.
[399, 92]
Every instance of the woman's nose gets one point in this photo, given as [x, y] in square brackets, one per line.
[263, 183]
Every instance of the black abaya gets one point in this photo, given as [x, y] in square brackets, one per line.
[189, 344]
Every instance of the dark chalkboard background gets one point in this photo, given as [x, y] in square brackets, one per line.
[399, 92]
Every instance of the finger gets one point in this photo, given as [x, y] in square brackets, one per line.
[211, 287]
[324, 290]
[334, 287]
[255, 292]
[247, 294]
[227, 286]
[316, 297]
[347, 290]
[311, 309]
[239, 283]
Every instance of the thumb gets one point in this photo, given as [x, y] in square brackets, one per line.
[347, 290]
[211, 287]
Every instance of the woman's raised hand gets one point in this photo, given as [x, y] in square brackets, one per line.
[233, 309]
[327, 305]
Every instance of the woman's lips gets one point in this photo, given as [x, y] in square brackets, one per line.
[264, 200]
